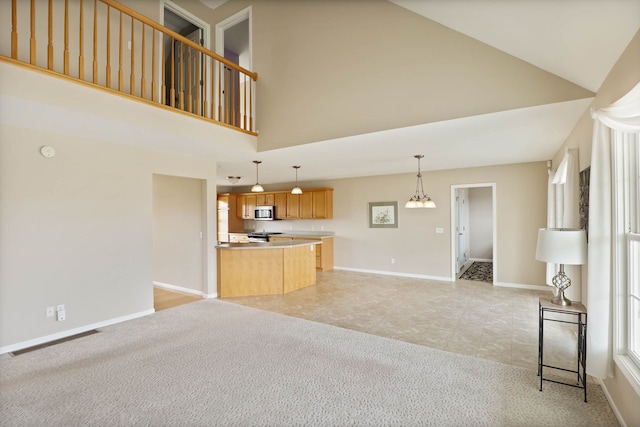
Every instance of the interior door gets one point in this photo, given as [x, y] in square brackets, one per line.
[462, 253]
[189, 74]
[231, 90]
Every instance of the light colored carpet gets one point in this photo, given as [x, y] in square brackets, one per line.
[216, 363]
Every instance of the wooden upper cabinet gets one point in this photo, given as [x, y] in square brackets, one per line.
[280, 202]
[265, 199]
[241, 200]
[246, 205]
[311, 204]
[323, 204]
[316, 204]
[306, 205]
[250, 207]
[293, 205]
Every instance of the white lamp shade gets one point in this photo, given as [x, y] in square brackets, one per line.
[562, 246]
[428, 204]
[257, 188]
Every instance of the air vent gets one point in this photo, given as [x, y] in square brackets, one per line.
[50, 343]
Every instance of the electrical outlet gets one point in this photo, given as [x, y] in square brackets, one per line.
[393, 260]
[62, 315]
[51, 311]
[60, 307]
[439, 230]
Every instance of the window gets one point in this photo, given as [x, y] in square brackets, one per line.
[626, 193]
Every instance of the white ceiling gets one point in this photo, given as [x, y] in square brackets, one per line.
[578, 40]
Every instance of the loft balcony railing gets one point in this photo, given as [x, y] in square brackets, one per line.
[104, 43]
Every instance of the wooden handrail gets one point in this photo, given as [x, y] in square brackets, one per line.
[192, 78]
[177, 36]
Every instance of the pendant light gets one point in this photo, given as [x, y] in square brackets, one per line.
[420, 199]
[296, 189]
[257, 188]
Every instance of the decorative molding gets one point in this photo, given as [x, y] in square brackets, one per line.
[74, 331]
[614, 408]
[179, 288]
[393, 273]
[543, 288]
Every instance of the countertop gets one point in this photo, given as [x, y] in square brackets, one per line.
[267, 245]
[310, 234]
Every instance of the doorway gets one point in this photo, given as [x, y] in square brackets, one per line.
[233, 42]
[473, 230]
[179, 247]
[184, 66]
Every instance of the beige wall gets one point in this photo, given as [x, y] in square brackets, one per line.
[481, 223]
[178, 230]
[343, 58]
[416, 248]
[621, 79]
[76, 229]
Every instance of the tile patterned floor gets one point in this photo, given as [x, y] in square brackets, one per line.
[466, 317]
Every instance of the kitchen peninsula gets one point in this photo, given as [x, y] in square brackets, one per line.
[271, 268]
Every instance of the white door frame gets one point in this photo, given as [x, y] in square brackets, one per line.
[454, 234]
[188, 16]
[221, 27]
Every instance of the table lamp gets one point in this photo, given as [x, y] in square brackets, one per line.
[562, 246]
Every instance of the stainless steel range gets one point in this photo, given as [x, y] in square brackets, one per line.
[262, 236]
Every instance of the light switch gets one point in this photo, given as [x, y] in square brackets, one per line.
[439, 230]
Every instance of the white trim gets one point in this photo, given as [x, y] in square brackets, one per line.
[206, 36]
[481, 259]
[452, 227]
[524, 286]
[244, 14]
[393, 273]
[629, 370]
[210, 296]
[185, 14]
[178, 288]
[237, 18]
[74, 331]
[614, 408]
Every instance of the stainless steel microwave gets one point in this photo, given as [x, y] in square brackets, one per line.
[265, 213]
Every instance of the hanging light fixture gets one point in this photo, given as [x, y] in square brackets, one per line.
[296, 189]
[420, 199]
[257, 188]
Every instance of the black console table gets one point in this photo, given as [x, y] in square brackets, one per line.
[549, 312]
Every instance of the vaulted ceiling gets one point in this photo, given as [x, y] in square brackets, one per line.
[576, 40]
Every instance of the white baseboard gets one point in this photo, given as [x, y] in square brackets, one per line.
[179, 289]
[74, 331]
[614, 408]
[210, 296]
[481, 259]
[523, 286]
[393, 273]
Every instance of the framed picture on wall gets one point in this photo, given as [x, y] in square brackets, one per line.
[383, 214]
[585, 176]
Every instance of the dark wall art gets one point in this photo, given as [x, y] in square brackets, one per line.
[584, 199]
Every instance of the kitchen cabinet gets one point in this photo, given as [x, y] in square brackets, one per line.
[311, 204]
[246, 206]
[280, 202]
[316, 204]
[265, 199]
[324, 251]
[228, 222]
[245, 270]
[293, 206]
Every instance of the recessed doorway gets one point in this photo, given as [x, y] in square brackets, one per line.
[473, 231]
